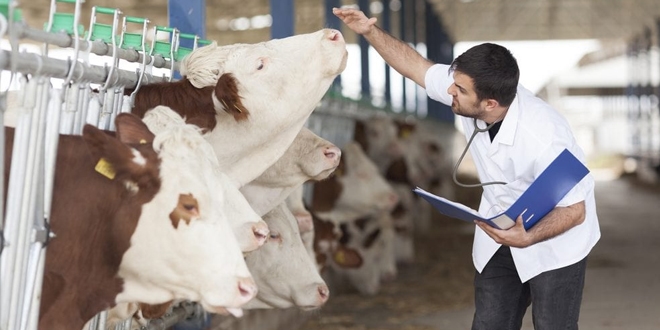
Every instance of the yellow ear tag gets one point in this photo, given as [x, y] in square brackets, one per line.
[405, 133]
[340, 257]
[105, 169]
[143, 141]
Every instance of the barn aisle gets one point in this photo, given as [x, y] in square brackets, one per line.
[435, 292]
[440, 279]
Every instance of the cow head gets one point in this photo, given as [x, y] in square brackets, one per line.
[183, 246]
[250, 231]
[355, 190]
[284, 273]
[281, 83]
[309, 157]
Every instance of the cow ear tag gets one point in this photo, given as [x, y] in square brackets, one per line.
[105, 168]
[405, 133]
[143, 141]
[340, 257]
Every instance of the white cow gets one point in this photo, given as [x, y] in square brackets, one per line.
[280, 83]
[282, 269]
[309, 157]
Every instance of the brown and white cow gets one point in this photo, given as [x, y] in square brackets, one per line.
[251, 232]
[280, 83]
[115, 227]
[355, 190]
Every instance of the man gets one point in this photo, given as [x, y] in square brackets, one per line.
[544, 266]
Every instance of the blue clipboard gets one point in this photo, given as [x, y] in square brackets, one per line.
[536, 202]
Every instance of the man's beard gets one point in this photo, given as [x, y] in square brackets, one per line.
[472, 112]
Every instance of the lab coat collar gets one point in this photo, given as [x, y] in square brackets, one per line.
[507, 132]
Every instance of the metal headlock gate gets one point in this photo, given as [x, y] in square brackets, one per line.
[42, 112]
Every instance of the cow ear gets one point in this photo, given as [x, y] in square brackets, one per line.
[115, 160]
[132, 130]
[346, 257]
[226, 97]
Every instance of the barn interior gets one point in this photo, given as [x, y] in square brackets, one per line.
[596, 62]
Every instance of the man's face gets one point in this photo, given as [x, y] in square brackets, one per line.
[465, 101]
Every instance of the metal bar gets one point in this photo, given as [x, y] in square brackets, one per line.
[179, 313]
[59, 69]
[98, 47]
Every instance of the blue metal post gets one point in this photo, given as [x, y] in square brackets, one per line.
[283, 19]
[189, 16]
[333, 22]
[387, 26]
[364, 55]
[440, 49]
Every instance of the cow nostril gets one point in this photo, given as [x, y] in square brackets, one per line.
[324, 292]
[332, 152]
[247, 288]
[334, 35]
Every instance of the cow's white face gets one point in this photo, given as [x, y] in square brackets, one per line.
[309, 157]
[285, 274]
[250, 230]
[280, 83]
[183, 246]
[364, 190]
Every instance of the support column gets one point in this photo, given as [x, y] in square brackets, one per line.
[364, 55]
[283, 18]
[440, 49]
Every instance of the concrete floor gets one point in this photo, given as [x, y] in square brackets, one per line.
[622, 290]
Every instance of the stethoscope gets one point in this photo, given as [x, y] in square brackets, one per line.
[460, 159]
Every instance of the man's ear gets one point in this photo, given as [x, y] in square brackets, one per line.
[491, 104]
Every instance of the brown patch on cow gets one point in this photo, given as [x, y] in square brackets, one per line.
[360, 135]
[362, 223]
[346, 257]
[93, 218]
[397, 171]
[226, 91]
[154, 311]
[193, 104]
[371, 239]
[325, 193]
[186, 209]
[399, 211]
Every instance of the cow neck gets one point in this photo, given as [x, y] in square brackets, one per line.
[83, 260]
[194, 104]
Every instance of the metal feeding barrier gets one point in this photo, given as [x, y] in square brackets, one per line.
[41, 113]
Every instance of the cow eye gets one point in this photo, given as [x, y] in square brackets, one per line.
[274, 235]
[261, 64]
[189, 207]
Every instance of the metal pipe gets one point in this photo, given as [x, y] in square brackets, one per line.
[178, 313]
[60, 68]
[98, 47]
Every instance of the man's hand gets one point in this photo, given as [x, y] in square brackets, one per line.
[355, 19]
[515, 236]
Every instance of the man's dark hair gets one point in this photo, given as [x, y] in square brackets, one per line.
[493, 69]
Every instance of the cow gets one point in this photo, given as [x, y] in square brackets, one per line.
[115, 224]
[355, 190]
[373, 237]
[282, 269]
[309, 157]
[269, 91]
[251, 232]
[378, 136]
